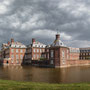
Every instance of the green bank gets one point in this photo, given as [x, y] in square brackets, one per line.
[14, 85]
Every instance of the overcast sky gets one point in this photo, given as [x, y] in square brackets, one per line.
[27, 19]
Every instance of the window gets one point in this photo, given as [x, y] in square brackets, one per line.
[63, 54]
[34, 56]
[12, 56]
[67, 51]
[21, 56]
[25, 50]
[30, 50]
[52, 53]
[17, 57]
[25, 56]
[51, 62]
[37, 50]
[43, 50]
[12, 50]
[86, 53]
[12, 61]
[30, 56]
[33, 50]
[16, 50]
[83, 53]
[17, 61]
[63, 62]
[40, 50]
[21, 51]
[37, 56]
[67, 57]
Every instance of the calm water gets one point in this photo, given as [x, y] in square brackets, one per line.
[50, 75]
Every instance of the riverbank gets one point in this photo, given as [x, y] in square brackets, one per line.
[14, 85]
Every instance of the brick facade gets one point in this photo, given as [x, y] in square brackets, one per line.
[57, 54]
[12, 53]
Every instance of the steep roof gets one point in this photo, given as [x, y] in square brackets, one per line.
[13, 44]
[38, 44]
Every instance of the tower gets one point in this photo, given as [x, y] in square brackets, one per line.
[58, 53]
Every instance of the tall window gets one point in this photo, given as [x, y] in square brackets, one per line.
[12, 56]
[21, 51]
[52, 53]
[21, 56]
[17, 61]
[30, 50]
[33, 50]
[12, 50]
[34, 56]
[43, 50]
[63, 57]
[30, 56]
[40, 50]
[51, 62]
[63, 54]
[37, 50]
[17, 57]
[16, 50]
[37, 56]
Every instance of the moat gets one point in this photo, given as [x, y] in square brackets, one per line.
[48, 75]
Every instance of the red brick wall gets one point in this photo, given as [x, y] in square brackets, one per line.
[64, 59]
[9, 59]
[74, 56]
[39, 53]
[77, 62]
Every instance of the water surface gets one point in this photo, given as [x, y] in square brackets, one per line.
[50, 75]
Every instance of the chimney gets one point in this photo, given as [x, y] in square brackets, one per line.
[12, 40]
[8, 43]
[33, 40]
[57, 36]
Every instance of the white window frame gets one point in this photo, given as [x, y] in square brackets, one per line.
[21, 50]
[12, 56]
[17, 57]
[21, 56]
[37, 50]
[16, 50]
[34, 50]
[52, 53]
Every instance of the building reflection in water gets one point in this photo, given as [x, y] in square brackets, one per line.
[50, 75]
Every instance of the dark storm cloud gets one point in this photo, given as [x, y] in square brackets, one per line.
[24, 19]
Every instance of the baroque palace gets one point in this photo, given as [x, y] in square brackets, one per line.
[55, 55]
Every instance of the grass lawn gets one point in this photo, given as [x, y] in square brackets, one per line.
[14, 85]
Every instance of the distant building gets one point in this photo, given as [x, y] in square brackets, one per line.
[62, 56]
[85, 53]
[55, 55]
[74, 53]
[12, 53]
[59, 53]
[35, 51]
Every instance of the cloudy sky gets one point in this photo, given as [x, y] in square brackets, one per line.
[27, 19]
